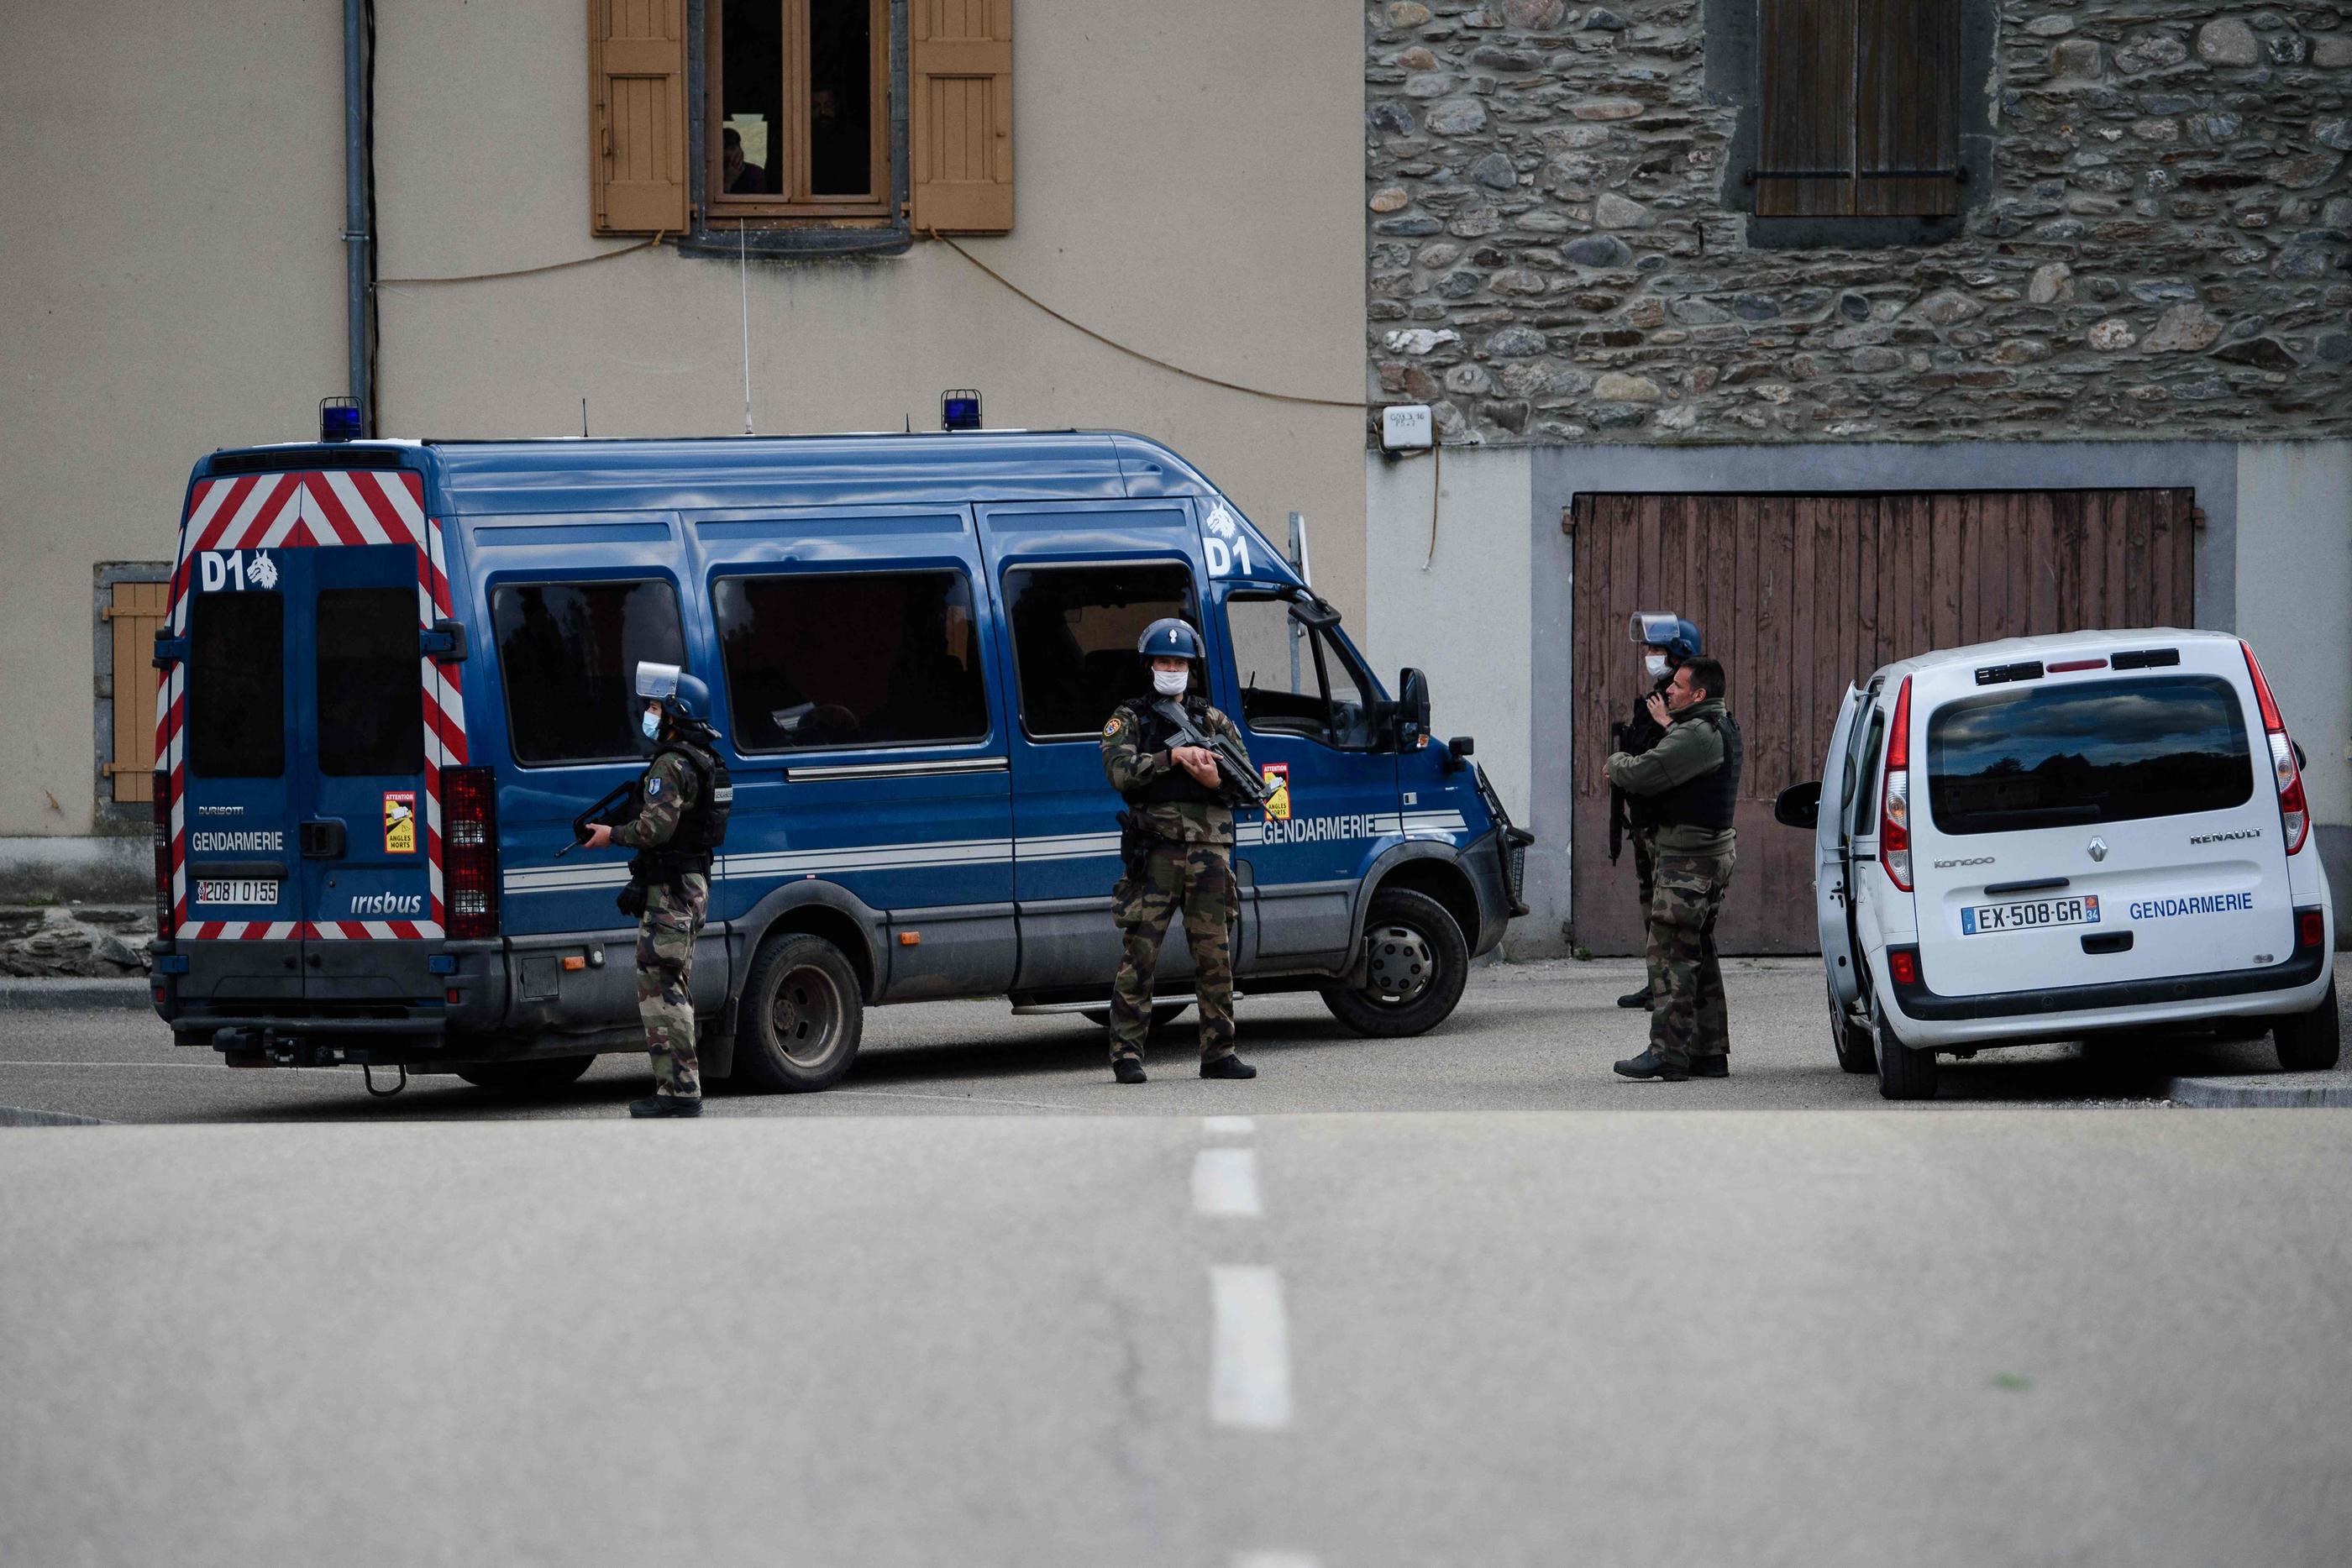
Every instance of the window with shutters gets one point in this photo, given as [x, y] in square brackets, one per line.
[1860, 113]
[134, 599]
[801, 126]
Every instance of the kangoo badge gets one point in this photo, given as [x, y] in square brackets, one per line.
[1277, 774]
[400, 821]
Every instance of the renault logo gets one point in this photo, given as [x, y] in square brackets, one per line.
[2098, 849]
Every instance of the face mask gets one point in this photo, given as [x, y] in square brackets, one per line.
[1657, 664]
[1169, 683]
[651, 723]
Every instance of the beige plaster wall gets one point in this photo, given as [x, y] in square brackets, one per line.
[171, 281]
[1186, 182]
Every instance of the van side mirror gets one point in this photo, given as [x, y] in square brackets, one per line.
[1800, 805]
[1411, 710]
[445, 644]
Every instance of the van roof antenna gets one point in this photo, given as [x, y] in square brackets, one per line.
[584, 419]
[743, 275]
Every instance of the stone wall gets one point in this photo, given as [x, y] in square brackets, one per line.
[1559, 246]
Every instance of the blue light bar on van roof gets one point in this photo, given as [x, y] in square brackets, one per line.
[960, 409]
[339, 419]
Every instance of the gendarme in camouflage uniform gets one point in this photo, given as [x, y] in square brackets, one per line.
[1690, 779]
[673, 918]
[1189, 866]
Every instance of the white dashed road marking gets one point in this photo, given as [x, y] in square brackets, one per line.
[1249, 1371]
[1224, 1185]
[1274, 1560]
[1240, 1125]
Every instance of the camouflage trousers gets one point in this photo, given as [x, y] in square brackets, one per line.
[666, 933]
[1645, 873]
[1197, 878]
[1688, 1019]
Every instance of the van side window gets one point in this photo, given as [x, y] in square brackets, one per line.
[236, 684]
[1865, 779]
[371, 703]
[568, 655]
[1296, 680]
[1073, 635]
[821, 659]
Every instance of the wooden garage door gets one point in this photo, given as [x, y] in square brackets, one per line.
[1800, 595]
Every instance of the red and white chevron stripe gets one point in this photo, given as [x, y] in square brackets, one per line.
[308, 511]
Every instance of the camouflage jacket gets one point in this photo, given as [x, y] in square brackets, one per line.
[1129, 767]
[669, 787]
[1682, 753]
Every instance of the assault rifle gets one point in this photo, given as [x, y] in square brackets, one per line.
[619, 806]
[1244, 786]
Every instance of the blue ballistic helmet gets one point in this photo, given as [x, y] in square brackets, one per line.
[1662, 629]
[1169, 638]
[677, 691]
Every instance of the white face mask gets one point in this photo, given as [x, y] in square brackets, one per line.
[651, 723]
[1657, 664]
[1170, 682]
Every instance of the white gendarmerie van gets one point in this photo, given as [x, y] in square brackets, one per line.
[2054, 838]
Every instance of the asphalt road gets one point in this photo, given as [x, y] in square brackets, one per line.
[1537, 1037]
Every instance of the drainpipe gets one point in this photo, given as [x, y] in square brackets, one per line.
[355, 235]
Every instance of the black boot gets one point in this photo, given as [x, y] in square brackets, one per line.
[666, 1105]
[1640, 999]
[1227, 1066]
[1127, 1069]
[1650, 1064]
[1716, 1066]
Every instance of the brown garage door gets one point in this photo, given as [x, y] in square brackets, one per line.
[1800, 595]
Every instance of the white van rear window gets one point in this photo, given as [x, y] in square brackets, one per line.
[2097, 751]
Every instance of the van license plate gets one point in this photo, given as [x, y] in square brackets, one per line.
[236, 893]
[1978, 919]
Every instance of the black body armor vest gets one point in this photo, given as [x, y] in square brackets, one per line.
[1706, 801]
[1175, 785]
[701, 827]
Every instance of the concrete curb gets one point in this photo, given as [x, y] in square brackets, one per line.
[2278, 1089]
[11, 1116]
[43, 992]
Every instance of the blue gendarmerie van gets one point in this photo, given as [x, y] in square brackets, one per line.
[396, 672]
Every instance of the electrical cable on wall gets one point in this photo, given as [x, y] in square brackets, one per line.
[1436, 475]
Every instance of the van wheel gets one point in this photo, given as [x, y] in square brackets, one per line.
[1850, 1040]
[1902, 1073]
[2310, 1042]
[543, 1075]
[1416, 965]
[802, 1015]
[1161, 1014]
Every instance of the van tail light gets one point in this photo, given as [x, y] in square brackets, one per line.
[1894, 802]
[2310, 927]
[1902, 965]
[469, 852]
[163, 854]
[2294, 815]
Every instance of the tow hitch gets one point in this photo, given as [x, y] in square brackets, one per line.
[266, 1048]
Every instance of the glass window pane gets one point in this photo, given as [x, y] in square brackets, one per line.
[1073, 634]
[1864, 776]
[840, 75]
[1282, 691]
[826, 659]
[370, 686]
[568, 655]
[753, 159]
[2101, 751]
[237, 685]
[1350, 691]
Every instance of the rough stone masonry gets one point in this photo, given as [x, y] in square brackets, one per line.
[1559, 246]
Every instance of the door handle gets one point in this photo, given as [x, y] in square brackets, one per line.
[323, 838]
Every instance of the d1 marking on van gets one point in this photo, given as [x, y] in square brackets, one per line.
[2194, 903]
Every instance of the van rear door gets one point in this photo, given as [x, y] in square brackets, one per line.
[2094, 826]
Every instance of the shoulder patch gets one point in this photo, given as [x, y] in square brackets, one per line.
[653, 786]
[1118, 722]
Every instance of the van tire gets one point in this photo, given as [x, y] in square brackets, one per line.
[539, 1075]
[1413, 929]
[2310, 1042]
[802, 1017]
[1850, 1040]
[1902, 1073]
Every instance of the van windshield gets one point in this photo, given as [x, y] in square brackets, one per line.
[2099, 751]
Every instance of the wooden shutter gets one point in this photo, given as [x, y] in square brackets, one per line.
[135, 614]
[960, 121]
[636, 115]
[1906, 80]
[1805, 145]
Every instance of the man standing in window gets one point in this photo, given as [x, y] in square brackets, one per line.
[1176, 842]
[683, 804]
[1691, 780]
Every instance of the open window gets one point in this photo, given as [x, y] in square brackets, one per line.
[797, 93]
[1298, 676]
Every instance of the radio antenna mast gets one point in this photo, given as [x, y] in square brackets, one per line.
[743, 275]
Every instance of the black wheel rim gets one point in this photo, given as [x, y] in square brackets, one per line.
[1399, 965]
[805, 1015]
